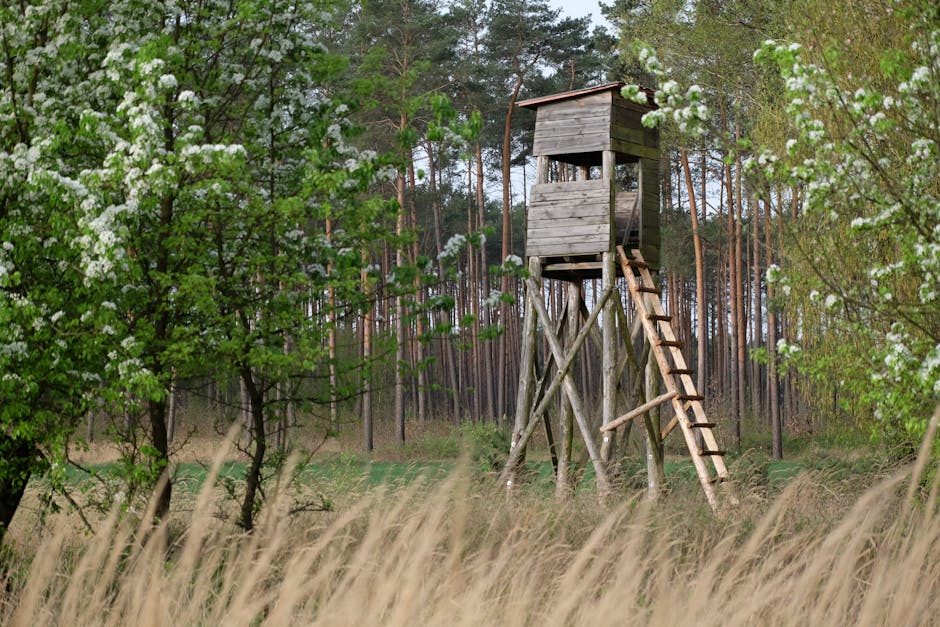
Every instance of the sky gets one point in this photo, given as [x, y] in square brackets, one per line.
[580, 8]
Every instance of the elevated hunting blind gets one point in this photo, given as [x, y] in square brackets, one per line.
[596, 196]
[597, 180]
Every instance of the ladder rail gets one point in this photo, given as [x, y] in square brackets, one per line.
[652, 333]
[679, 360]
[666, 347]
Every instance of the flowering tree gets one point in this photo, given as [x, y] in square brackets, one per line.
[58, 322]
[860, 268]
[165, 172]
[865, 159]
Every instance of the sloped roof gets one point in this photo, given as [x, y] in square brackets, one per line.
[534, 103]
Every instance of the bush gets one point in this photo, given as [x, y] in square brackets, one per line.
[487, 445]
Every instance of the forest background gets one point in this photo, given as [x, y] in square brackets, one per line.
[307, 219]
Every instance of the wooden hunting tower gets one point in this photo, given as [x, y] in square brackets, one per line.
[597, 180]
[596, 196]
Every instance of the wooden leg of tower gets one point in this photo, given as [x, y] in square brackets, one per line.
[567, 382]
[609, 353]
[655, 468]
[563, 488]
[526, 377]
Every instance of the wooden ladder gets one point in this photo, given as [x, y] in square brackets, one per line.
[680, 388]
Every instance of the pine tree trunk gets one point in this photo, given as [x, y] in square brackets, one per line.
[487, 347]
[447, 342]
[257, 455]
[735, 315]
[741, 326]
[773, 389]
[400, 316]
[367, 434]
[699, 272]
[506, 246]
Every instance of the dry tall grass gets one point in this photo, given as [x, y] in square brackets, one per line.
[454, 553]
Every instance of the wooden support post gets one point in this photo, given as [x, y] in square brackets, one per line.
[609, 365]
[526, 373]
[566, 418]
[580, 416]
[655, 469]
[572, 353]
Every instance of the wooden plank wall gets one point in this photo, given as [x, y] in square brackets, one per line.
[628, 135]
[573, 126]
[650, 236]
[569, 219]
[575, 218]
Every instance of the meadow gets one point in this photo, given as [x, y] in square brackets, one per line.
[830, 537]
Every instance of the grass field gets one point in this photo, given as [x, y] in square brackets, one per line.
[424, 536]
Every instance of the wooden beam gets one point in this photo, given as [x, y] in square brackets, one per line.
[639, 411]
[609, 356]
[564, 366]
[670, 426]
[522, 425]
[603, 484]
[576, 266]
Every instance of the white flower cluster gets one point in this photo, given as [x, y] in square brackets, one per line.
[685, 109]
[453, 246]
[884, 192]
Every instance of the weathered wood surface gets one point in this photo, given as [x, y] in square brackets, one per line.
[569, 218]
[593, 123]
[562, 378]
[580, 415]
[650, 236]
[609, 356]
[662, 341]
[573, 126]
[606, 125]
[639, 411]
[564, 247]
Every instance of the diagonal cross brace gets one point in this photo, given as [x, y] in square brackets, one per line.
[562, 377]
[571, 391]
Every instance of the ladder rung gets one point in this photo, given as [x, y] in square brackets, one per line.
[675, 343]
[717, 479]
[648, 289]
[691, 397]
[638, 264]
[703, 425]
[660, 317]
[680, 371]
[706, 452]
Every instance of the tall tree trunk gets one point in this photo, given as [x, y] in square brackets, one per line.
[368, 443]
[257, 455]
[773, 388]
[741, 326]
[20, 459]
[757, 314]
[506, 244]
[400, 314]
[448, 344]
[699, 272]
[485, 272]
[331, 337]
[475, 295]
[735, 314]
[161, 335]
[172, 411]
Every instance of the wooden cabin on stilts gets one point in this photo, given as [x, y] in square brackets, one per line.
[594, 213]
